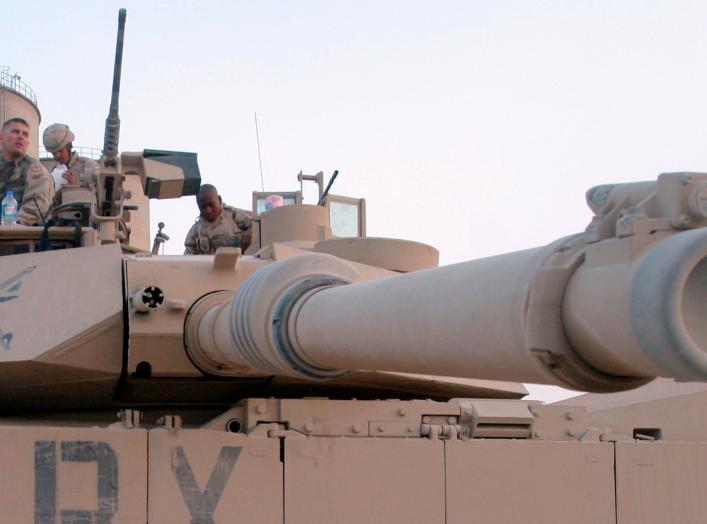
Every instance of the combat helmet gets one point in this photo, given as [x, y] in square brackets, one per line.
[56, 137]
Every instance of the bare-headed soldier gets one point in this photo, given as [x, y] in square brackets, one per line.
[218, 225]
[30, 182]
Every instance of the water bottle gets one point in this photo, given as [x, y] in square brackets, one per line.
[9, 210]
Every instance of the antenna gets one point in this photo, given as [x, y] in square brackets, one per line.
[260, 160]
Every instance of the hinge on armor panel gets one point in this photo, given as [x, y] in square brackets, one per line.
[441, 431]
[130, 418]
[496, 419]
[170, 422]
[273, 430]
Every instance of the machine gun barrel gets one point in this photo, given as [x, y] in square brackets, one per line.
[322, 199]
[112, 132]
[595, 317]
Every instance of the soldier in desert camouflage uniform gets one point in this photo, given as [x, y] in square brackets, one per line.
[218, 225]
[58, 140]
[30, 182]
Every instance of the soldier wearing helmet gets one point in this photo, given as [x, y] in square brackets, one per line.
[23, 175]
[70, 169]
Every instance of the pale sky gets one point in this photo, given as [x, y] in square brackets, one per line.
[473, 126]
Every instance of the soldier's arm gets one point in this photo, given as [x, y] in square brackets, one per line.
[243, 218]
[190, 242]
[39, 191]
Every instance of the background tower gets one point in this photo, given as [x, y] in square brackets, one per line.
[18, 99]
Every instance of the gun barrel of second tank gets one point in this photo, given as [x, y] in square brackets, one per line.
[546, 315]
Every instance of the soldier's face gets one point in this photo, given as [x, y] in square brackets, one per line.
[15, 140]
[210, 206]
[62, 156]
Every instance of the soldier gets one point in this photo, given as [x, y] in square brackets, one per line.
[218, 225]
[58, 140]
[23, 175]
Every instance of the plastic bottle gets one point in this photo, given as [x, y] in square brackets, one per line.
[9, 210]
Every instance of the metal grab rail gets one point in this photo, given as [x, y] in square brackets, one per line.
[15, 83]
[93, 153]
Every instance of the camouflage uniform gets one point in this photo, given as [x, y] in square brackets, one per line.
[27, 178]
[84, 168]
[205, 237]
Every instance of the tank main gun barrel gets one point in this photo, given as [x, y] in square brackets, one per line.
[112, 132]
[595, 314]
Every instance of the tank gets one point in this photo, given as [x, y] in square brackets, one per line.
[323, 376]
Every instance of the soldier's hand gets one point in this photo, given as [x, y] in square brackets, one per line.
[70, 178]
[246, 238]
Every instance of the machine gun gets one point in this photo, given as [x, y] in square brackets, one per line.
[112, 132]
[109, 213]
[127, 180]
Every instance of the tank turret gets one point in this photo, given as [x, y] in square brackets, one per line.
[604, 310]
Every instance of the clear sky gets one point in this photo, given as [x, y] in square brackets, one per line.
[473, 126]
